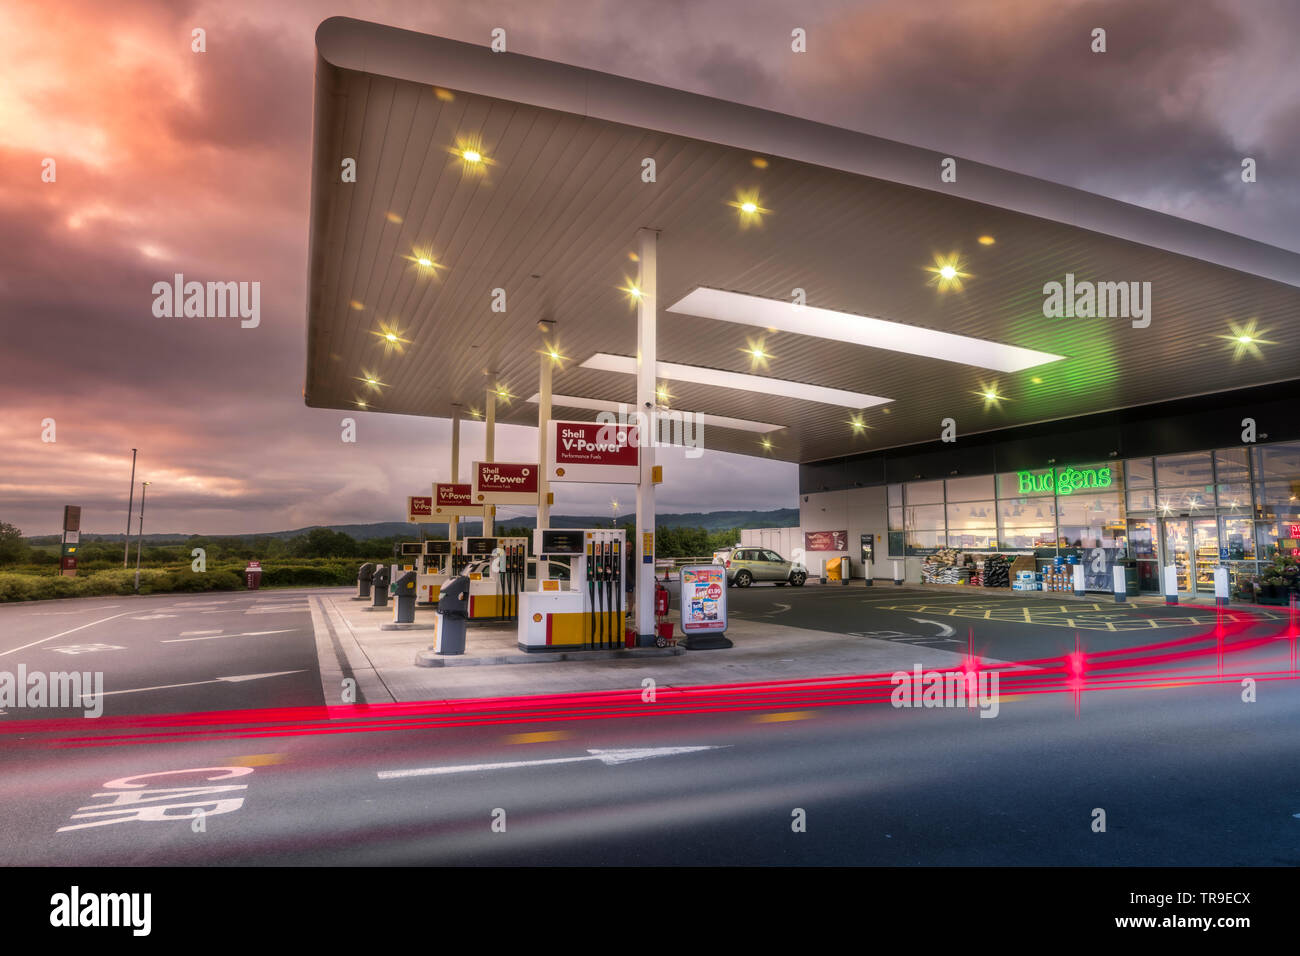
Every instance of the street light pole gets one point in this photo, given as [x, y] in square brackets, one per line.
[139, 535]
[130, 500]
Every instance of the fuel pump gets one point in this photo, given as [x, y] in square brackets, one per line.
[586, 610]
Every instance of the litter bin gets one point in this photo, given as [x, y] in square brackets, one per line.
[253, 575]
[380, 586]
[449, 622]
[403, 591]
[365, 575]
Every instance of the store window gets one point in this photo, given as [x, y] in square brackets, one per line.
[1234, 497]
[1236, 541]
[1185, 501]
[923, 524]
[1025, 524]
[1032, 481]
[1090, 521]
[895, 496]
[1230, 464]
[1142, 499]
[924, 493]
[1139, 473]
[921, 541]
[979, 488]
[1277, 462]
[1173, 471]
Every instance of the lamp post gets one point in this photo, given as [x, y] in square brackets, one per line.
[139, 535]
[130, 500]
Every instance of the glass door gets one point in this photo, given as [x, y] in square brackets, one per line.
[1178, 550]
[1205, 538]
[1142, 546]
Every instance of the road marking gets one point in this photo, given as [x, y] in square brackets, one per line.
[217, 636]
[62, 633]
[80, 610]
[944, 629]
[192, 633]
[195, 683]
[783, 607]
[86, 648]
[538, 738]
[610, 758]
[256, 760]
[784, 716]
[152, 617]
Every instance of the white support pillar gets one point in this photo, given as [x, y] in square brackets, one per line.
[453, 525]
[646, 361]
[490, 452]
[543, 423]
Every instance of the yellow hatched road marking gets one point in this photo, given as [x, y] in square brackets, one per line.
[785, 715]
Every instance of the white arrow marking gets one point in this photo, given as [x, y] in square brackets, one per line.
[216, 637]
[610, 758]
[195, 683]
[944, 629]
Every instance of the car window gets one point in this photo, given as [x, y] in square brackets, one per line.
[772, 556]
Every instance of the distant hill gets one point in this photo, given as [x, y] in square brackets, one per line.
[708, 520]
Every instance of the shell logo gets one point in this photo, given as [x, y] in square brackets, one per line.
[559, 472]
[537, 619]
[480, 497]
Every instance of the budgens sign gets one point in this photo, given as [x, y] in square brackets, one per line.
[1062, 481]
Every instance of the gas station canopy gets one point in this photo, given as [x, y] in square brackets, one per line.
[923, 299]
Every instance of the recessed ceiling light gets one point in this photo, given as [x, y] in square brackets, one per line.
[986, 240]
[673, 372]
[859, 330]
[713, 421]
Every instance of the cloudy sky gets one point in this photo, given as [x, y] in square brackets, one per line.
[169, 161]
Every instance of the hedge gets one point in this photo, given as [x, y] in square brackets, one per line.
[18, 586]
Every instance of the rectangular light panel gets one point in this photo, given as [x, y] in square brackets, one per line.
[785, 316]
[604, 362]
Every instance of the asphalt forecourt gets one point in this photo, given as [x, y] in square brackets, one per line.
[157, 654]
[1004, 627]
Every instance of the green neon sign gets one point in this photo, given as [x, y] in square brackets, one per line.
[1064, 481]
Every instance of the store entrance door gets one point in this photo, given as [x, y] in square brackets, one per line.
[1142, 547]
[1205, 539]
[1176, 536]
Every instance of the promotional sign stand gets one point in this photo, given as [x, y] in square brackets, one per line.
[704, 607]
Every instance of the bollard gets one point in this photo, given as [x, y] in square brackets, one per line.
[1080, 583]
[1121, 585]
[1171, 585]
[866, 572]
[1221, 586]
[898, 573]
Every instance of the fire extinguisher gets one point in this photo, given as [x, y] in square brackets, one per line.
[663, 629]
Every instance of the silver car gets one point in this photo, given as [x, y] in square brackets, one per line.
[747, 565]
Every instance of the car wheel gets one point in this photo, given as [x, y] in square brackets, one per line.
[797, 579]
[744, 579]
